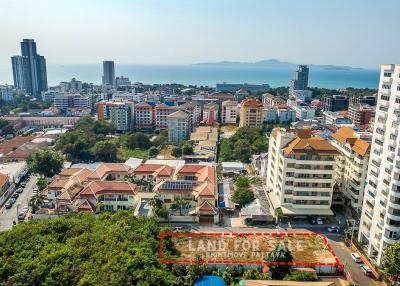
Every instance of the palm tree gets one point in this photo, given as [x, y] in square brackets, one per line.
[179, 204]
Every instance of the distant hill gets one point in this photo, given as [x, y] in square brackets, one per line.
[273, 63]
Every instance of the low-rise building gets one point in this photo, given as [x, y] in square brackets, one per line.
[229, 112]
[335, 118]
[336, 102]
[205, 141]
[361, 114]
[300, 173]
[351, 167]
[271, 100]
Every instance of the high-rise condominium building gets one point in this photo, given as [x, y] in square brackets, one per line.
[300, 173]
[300, 81]
[380, 219]
[251, 113]
[178, 127]
[108, 73]
[351, 167]
[29, 70]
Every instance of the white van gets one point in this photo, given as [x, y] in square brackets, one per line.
[356, 257]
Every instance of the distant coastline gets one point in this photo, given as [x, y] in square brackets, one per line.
[212, 73]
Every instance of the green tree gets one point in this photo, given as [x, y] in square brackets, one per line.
[115, 249]
[280, 254]
[153, 151]
[176, 152]
[105, 151]
[301, 276]
[179, 204]
[242, 150]
[137, 140]
[46, 163]
[391, 262]
[41, 183]
[242, 182]
[278, 214]
[104, 127]
[243, 197]
[187, 147]
[254, 274]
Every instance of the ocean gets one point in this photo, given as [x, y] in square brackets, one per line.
[209, 75]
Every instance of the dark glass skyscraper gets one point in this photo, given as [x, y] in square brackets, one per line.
[300, 81]
[108, 73]
[29, 70]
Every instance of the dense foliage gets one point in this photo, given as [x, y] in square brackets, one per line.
[92, 140]
[391, 261]
[242, 195]
[112, 249]
[280, 254]
[46, 163]
[6, 127]
[301, 276]
[244, 143]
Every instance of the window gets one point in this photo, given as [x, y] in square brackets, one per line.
[383, 108]
[386, 86]
[385, 97]
[387, 74]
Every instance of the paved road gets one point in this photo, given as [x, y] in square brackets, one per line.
[8, 215]
[343, 253]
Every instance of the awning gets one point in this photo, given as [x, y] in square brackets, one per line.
[287, 210]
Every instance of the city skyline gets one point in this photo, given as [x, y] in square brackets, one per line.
[154, 32]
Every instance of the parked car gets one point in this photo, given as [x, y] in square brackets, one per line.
[8, 205]
[25, 209]
[356, 257]
[312, 220]
[12, 200]
[333, 228]
[35, 189]
[19, 190]
[23, 184]
[366, 270]
[21, 215]
[15, 196]
[320, 221]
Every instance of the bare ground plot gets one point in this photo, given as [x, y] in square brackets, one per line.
[253, 248]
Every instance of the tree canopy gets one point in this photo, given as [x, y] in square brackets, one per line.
[244, 143]
[280, 254]
[81, 249]
[391, 261]
[46, 163]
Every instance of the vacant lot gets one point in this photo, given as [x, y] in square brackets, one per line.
[253, 248]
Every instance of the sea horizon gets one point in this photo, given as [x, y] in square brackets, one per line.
[209, 75]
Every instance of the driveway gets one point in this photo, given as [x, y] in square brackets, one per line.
[7, 216]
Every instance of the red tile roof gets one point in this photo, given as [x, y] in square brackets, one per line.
[96, 188]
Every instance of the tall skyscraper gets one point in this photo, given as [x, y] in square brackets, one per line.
[380, 218]
[29, 70]
[108, 73]
[20, 71]
[300, 81]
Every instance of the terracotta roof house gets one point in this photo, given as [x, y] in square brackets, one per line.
[110, 172]
[110, 195]
[197, 184]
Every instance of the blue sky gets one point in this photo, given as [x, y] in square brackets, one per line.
[361, 33]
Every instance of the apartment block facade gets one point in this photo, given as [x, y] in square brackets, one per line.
[300, 173]
[380, 219]
[251, 113]
[351, 167]
[229, 112]
[178, 127]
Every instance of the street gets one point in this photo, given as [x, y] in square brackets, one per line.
[7, 216]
